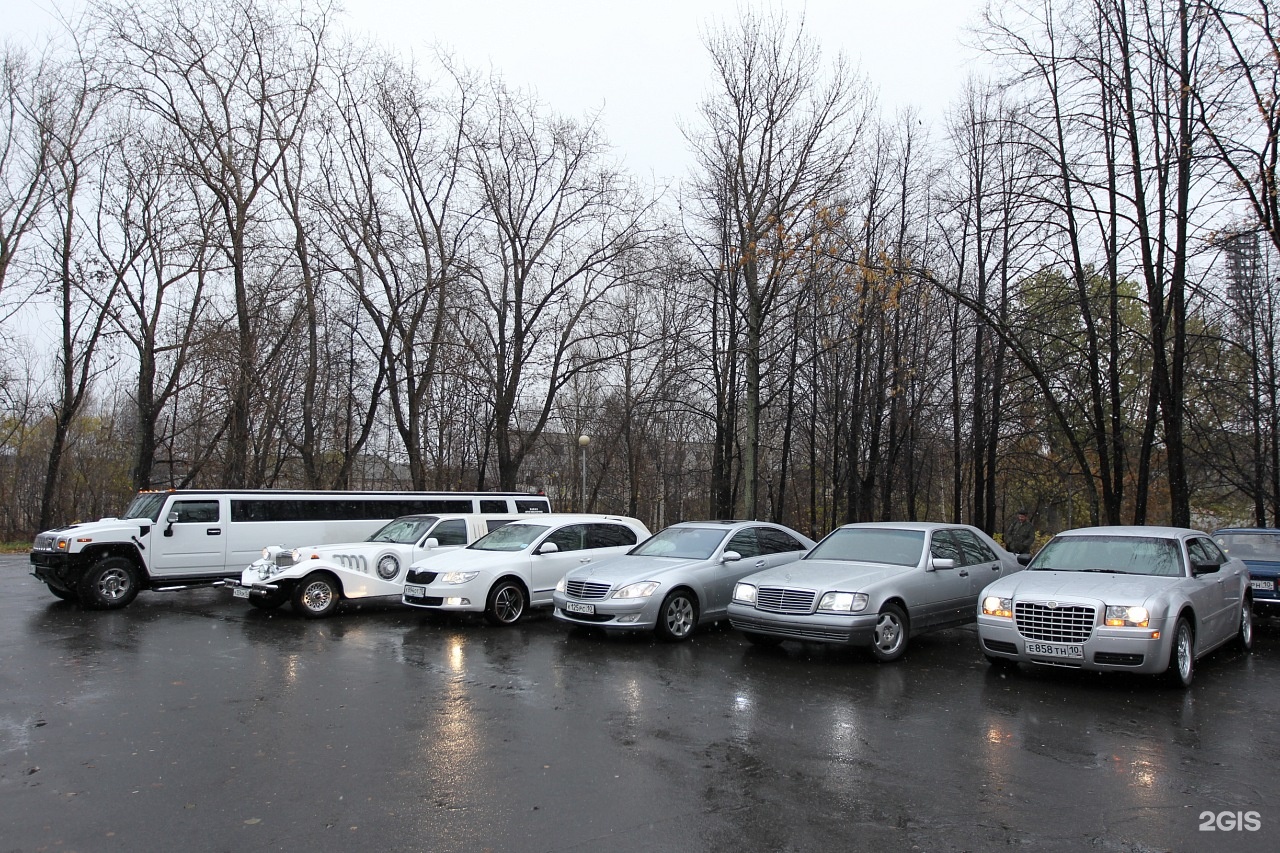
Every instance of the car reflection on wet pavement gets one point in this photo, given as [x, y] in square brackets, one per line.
[186, 721]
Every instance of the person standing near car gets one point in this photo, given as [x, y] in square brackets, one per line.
[1020, 534]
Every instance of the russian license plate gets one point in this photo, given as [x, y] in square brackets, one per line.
[411, 591]
[1055, 650]
[575, 607]
[1264, 585]
[240, 591]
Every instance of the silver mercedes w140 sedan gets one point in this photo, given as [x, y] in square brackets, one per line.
[873, 585]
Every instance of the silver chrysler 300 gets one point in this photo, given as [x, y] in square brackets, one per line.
[1136, 599]
[873, 585]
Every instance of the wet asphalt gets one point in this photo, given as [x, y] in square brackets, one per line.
[190, 721]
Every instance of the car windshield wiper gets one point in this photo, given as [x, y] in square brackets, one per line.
[1106, 571]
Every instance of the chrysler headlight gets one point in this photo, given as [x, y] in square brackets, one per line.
[1121, 616]
[744, 593]
[843, 602]
[644, 589]
[994, 605]
[458, 577]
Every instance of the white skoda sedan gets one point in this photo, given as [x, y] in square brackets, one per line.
[517, 566]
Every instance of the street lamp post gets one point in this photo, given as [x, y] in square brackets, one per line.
[583, 441]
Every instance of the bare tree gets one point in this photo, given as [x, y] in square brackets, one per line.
[557, 233]
[776, 143]
[234, 83]
[24, 151]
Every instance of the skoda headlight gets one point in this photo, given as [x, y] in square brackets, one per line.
[744, 593]
[458, 577]
[644, 589]
[843, 602]
[994, 605]
[1120, 616]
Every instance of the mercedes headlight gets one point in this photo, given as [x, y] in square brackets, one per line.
[644, 589]
[744, 593]
[843, 602]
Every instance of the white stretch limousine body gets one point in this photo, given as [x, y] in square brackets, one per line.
[317, 577]
[175, 539]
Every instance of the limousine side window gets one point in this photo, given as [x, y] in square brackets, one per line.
[451, 532]
[198, 512]
[535, 505]
[609, 536]
[493, 506]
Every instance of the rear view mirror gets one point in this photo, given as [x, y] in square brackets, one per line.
[549, 548]
[432, 542]
[943, 563]
[730, 557]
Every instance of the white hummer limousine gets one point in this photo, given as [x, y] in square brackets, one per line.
[180, 538]
[317, 577]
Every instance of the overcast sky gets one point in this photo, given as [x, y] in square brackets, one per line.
[642, 64]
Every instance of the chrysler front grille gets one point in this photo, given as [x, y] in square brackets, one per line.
[1068, 623]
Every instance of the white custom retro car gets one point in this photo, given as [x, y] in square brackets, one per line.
[317, 578]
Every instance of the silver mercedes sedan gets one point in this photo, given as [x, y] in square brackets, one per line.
[1132, 599]
[874, 585]
[676, 579]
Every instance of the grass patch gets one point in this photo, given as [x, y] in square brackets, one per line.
[14, 547]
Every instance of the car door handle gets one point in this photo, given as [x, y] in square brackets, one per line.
[996, 567]
[759, 564]
[214, 531]
[584, 559]
[964, 573]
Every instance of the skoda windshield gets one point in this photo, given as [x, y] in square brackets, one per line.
[510, 537]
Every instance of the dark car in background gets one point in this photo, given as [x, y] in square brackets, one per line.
[1259, 549]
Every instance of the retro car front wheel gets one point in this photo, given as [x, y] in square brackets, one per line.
[889, 640]
[316, 595]
[506, 604]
